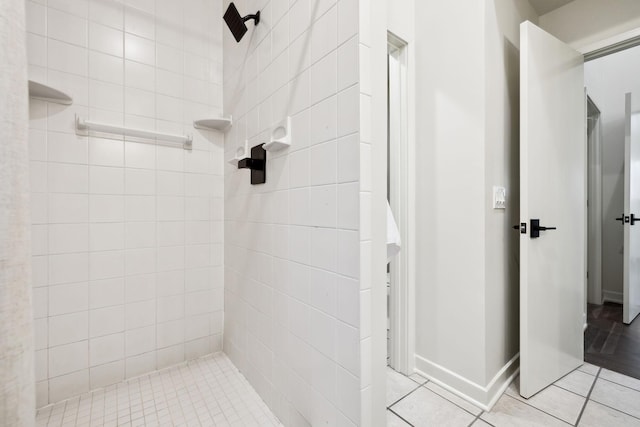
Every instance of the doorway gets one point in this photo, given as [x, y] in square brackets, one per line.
[400, 190]
[610, 342]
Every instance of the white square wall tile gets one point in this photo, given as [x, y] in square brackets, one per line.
[106, 68]
[106, 180]
[61, 208]
[68, 298]
[107, 374]
[67, 238]
[68, 328]
[66, 27]
[105, 39]
[106, 236]
[324, 120]
[348, 63]
[106, 292]
[68, 268]
[139, 341]
[324, 166]
[349, 111]
[106, 208]
[106, 264]
[348, 253]
[69, 385]
[139, 49]
[66, 148]
[140, 314]
[68, 178]
[348, 199]
[324, 35]
[67, 57]
[140, 288]
[65, 359]
[106, 349]
[324, 77]
[348, 348]
[106, 321]
[324, 242]
[323, 206]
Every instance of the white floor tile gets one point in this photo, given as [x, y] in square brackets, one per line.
[597, 415]
[398, 386]
[510, 412]
[589, 368]
[577, 381]
[617, 378]
[394, 421]
[202, 392]
[553, 400]
[616, 396]
[425, 408]
[453, 398]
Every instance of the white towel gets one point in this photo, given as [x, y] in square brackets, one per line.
[393, 235]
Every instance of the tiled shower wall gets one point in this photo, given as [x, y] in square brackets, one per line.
[292, 291]
[127, 236]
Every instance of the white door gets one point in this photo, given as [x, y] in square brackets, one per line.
[552, 191]
[631, 274]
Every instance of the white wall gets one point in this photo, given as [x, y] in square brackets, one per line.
[292, 264]
[608, 79]
[450, 189]
[502, 167]
[17, 385]
[373, 219]
[466, 109]
[584, 22]
[127, 237]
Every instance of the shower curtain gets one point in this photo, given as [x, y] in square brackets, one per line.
[17, 386]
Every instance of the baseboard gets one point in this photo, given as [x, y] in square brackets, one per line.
[482, 396]
[612, 296]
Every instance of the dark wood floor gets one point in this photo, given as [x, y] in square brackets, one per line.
[609, 343]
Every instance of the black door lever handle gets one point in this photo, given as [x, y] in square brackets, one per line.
[536, 228]
[633, 219]
[621, 219]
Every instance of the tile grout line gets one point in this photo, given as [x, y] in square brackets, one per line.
[586, 401]
[616, 383]
[399, 416]
[615, 409]
[397, 401]
[476, 419]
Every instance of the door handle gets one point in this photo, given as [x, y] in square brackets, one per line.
[621, 219]
[536, 228]
[633, 219]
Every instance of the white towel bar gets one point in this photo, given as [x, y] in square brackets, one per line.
[86, 125]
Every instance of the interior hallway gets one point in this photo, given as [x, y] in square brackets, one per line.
[588, 396]
[609, 343]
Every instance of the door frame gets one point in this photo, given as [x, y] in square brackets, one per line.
[594, 207]
[401, 182]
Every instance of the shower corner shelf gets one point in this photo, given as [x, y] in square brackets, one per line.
[217, 123]
[44, 92]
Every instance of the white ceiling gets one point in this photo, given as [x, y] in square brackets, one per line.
[545, 6]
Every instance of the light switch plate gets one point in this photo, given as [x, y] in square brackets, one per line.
[499, 197]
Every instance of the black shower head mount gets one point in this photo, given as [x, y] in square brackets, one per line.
[236, 23]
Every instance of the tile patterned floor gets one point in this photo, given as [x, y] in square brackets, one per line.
[203, 392]
[588, 396]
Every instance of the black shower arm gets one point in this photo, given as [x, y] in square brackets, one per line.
[255, 17]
